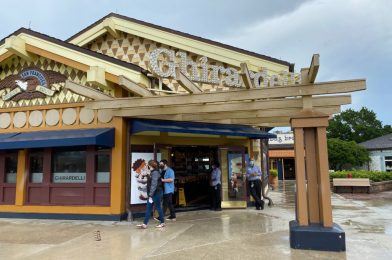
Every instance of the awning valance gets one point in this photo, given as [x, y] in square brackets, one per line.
[142, 125]
[99, 136]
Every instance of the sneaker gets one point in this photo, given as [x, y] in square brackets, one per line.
[161, 225]
[157, 219]
[171, 218]
[142, 226]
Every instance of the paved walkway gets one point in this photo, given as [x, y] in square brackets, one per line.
[230, 234]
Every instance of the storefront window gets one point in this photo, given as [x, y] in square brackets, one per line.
[11, 163]
[236, 176]
[36, 168]
[388, 163]
[69, 166]
[102, 166]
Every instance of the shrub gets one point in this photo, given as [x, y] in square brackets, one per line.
[373, 176]
[273, 172]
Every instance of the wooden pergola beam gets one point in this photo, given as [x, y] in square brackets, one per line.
[314, 67]
[133, 87]
[236, 95]
[232, 106]
[186, 83]
[245, 76]
[86, 91]
[257, 122]
[284, 112]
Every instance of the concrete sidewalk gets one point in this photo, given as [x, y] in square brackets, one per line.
[229, 234]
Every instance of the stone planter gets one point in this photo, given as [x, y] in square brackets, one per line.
[380, 186]
[374, 188]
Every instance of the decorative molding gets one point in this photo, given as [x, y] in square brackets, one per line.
[35, 118]
[96, 75]
[105, 116]
[20, 119]
[52, 117]
[5, 120]
[17, 46]
[69, 116]
[86, 116]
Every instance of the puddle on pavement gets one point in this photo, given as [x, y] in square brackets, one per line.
[366, 228]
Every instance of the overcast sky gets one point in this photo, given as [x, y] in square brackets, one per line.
[353, 37]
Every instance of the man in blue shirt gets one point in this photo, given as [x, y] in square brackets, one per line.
[168, 183]
[253, 175]
[215, 183]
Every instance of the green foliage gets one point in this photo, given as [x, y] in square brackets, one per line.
[346, 154]
[373, 176]
[273, 172]
[358, 126]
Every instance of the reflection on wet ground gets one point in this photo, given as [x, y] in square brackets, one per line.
[230, 234]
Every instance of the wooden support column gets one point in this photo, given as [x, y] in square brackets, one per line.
[301, 198]
[311, 159]
[311, 175]
[323, 178]
[21, 178]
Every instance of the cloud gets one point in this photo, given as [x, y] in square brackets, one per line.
[353, 38]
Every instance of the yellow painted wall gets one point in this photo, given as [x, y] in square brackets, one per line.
[119, 168]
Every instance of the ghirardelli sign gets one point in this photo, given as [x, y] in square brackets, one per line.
[163, 62]
[31, 83]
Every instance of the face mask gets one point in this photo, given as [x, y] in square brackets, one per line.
[161, 166]
[252, 163]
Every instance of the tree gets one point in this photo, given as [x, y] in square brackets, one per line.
[358, 126]
[346, 154]
[387, 129]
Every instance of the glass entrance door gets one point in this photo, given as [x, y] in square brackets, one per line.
[233, 177]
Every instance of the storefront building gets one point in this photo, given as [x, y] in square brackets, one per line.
[80, 118]
[281, 155]
[380, 153]
[60, 159]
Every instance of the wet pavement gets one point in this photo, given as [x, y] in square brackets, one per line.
[229, 234]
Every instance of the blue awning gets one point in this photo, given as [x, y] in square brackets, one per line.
[141, 125]
[99, 136]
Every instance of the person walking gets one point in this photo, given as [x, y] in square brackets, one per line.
[154, 191]
[168, 183]
[253, 175]
[215, 184]
[155, 213]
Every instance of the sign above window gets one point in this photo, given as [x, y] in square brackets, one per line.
[163, 62]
